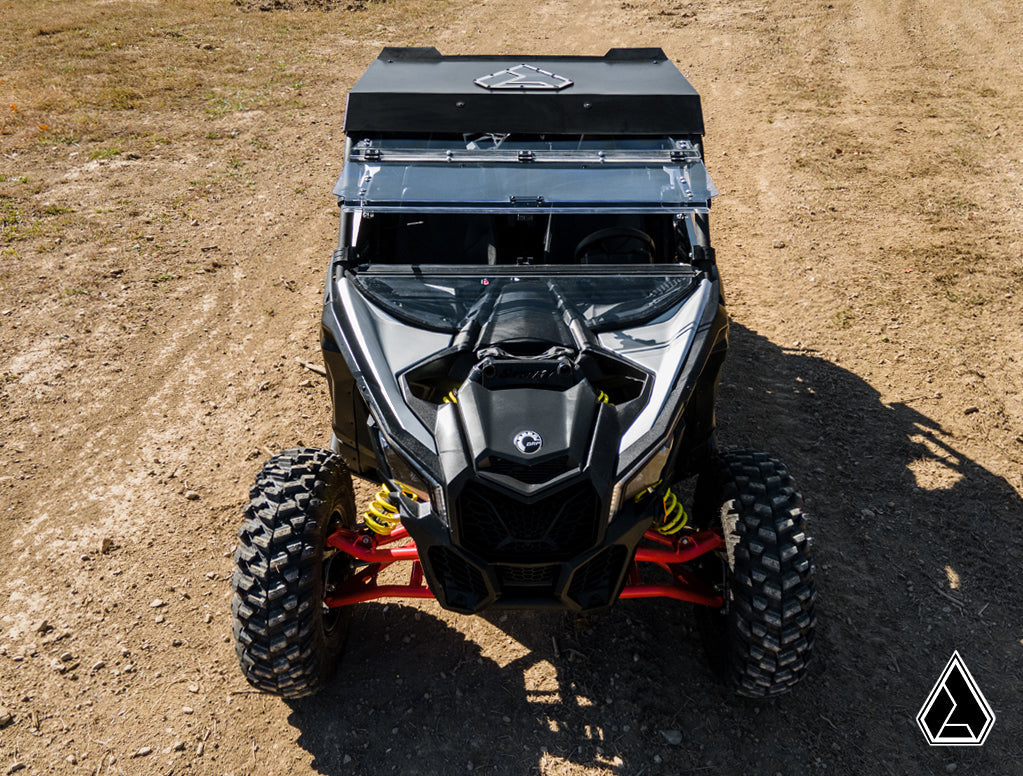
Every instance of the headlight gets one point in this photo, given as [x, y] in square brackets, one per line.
[648, 476]
[407, 474]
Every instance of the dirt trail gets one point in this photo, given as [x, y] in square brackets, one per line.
[164, 189]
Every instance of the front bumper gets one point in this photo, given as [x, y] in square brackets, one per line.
[463, 582]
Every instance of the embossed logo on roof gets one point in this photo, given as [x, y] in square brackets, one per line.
[524, 77]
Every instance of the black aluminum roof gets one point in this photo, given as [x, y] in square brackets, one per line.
[415, 91]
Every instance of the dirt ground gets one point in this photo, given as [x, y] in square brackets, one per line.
[165, 176]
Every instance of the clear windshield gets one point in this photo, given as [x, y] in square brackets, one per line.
[442, 299]
[501, 174]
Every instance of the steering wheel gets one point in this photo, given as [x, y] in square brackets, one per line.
[607, 245]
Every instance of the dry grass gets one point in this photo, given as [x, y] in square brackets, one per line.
[114, 82]
[149, 70]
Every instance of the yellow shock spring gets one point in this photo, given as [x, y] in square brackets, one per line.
[450, 398]
[675, 517]
[382, 516]
[603, 398]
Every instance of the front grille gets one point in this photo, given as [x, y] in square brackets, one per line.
[464, 586]
[501, 528]
[595, 582]
[528, 576]
[531, 475]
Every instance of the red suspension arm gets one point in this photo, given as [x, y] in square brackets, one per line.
[372, 549]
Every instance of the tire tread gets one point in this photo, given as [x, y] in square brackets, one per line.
[280, 638]
[770, 620]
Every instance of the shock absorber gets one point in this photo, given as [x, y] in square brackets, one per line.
[674, 518]
[383, 514]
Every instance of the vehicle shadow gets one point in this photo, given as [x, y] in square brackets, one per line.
[908, 572]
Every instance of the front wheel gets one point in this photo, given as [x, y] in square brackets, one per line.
[286, 640]
[761, 641]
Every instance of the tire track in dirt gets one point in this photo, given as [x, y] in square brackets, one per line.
[101, 489]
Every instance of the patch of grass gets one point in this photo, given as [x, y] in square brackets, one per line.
[165, 277]
[105, 153]
[964, 154]
[65, 138]
[57, 210]
[10, 219]
[120, 98]
[951, 209]
[843, 319]
[217, 105]
[959, 205]
[34, 229]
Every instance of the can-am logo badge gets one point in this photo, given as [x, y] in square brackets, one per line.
[524, 77]
[956, 713]
[528, 442]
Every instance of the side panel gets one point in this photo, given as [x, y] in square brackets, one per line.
[699, 419]
[349, 413]
[360, 346]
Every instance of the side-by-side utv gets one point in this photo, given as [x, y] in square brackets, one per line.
[522, 331]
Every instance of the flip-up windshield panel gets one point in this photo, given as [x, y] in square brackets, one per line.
[524, 177]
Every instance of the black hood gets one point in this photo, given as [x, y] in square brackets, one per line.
[527, 385]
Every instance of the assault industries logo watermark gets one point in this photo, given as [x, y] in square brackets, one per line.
[956, 713]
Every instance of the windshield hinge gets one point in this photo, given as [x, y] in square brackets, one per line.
[528, 201]
[371, 155]
[526, 155]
